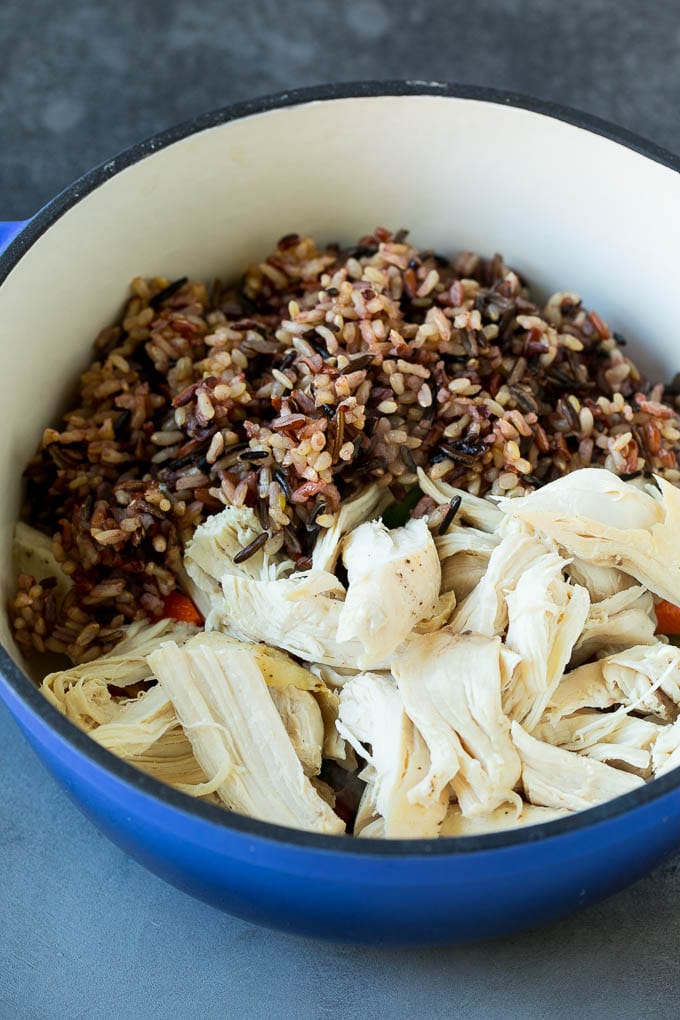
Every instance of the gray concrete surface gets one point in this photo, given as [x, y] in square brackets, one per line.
[85, 932]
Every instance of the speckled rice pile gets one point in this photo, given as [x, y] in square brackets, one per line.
[323, 369]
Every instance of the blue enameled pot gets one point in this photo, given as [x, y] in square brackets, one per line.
[573, 203]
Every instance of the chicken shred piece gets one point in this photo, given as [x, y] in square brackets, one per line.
[593, 494]
[372, 719]
[369, 823]
[604, 736]
[481, 513]
[334, 747]
[364, 506]
[648, 677]
[443, 612]
[601, 582]
[619, 621]
[462, 573]
[217, 541]
[546, 615]
[502, 819]
[171, 760]
[334, 677]
[603, 520]
[82, 692]
[300, 614]
[584, 687]
[146, 734]
[141, 722]
[464, 555]
[666, 749]
[286, 676]
[136, 725]
[451, 687]
[459, 539]
[394, 581]
[645, 678]
[485, 610]
[210, 554]
[555, 778]
[224, 707]
[304, 724]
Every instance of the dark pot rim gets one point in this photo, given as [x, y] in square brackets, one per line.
[28, 694]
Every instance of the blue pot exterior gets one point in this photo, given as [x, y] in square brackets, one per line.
[346, 896]
[443, 892]
[9, 230]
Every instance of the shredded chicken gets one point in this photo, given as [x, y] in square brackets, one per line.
[300, 614]
[451, 686]
[555, 778]
[443, 611]
[585, 687]
[139, 724]
[666, 750]
[515, 672]
[462, 573]
[546, 615]
[334, 677]
[481, 513]
[648, 677]
[619, 621]
[503, 818]
[217, 541]
[372, 719]
[146, 733]
[302, 718]
[364, 506]
[223, 704]
[593, 495]
[645, 678]
[83, 692]
[485, 609]
[605, 521]
[394, 581]
[600, 582]
[606, 736]
[210, 554]
[460, 539]
[171, 760]
[464, 554]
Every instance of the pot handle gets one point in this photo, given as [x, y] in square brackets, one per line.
[8, 231]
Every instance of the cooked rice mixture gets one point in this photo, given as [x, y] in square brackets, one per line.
[321, 370]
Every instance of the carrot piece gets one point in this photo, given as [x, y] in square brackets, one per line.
[180, 607]
[667, 618]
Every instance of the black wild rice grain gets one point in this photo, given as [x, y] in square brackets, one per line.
[122, 423]
[254, 455]
[168, 292]
[319, 509]
[249, 550]
[449, 516]
[279, 477]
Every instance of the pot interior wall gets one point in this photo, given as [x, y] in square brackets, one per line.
[569, 209]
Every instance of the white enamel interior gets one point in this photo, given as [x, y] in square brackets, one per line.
[570, 209]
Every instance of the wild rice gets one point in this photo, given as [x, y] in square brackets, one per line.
[321, 370]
